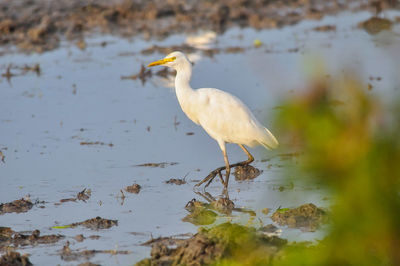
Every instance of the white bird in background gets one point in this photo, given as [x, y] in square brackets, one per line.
[223, 116]
[200, 41]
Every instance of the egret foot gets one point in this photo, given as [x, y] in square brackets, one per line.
[227, 167]
[218, 172]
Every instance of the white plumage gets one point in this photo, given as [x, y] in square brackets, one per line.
[223, 116]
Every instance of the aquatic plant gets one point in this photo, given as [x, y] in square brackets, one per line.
[349, 142]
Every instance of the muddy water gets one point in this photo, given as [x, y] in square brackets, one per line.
[79, 97]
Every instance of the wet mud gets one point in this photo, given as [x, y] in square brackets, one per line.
[72, 255]
[39, 25]
[18, 206]
[10, 238]
[135, 188]
[210, 245]
[307, 217]
[246, 172]
[12, 258]
[96, 223]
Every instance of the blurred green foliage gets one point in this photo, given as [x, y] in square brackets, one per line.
[350, 142]
[244, 245]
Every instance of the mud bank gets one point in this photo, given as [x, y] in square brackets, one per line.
[39, 25]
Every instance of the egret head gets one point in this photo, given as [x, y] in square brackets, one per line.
[174, 60]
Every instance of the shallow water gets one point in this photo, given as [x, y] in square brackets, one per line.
[43, 121]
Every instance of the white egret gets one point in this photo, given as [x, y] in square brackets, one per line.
[223, 116]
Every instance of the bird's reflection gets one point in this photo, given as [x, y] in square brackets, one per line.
[206, 212]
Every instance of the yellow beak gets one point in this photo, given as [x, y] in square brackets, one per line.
[162, 61]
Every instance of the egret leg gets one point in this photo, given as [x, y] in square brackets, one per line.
[250, 159]
[227, 171]
[217, 171]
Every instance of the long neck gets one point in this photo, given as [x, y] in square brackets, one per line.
[182, 79]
